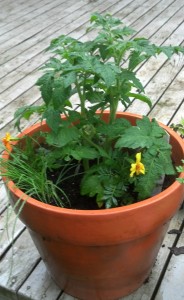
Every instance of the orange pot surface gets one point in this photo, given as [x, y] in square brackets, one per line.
[102, 254]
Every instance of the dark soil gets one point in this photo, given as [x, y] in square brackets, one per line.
[72, 189]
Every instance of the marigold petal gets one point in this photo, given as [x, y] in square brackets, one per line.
[138, 157]
[132, 169]
[6, 141]
[137, 167]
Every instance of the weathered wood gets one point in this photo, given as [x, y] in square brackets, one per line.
[10, 228]
[3, 197]
[172, 285]
[170, 101]
[44, 288]
[15, 267]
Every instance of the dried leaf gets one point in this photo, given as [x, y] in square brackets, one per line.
[177, 250]
[174, 231]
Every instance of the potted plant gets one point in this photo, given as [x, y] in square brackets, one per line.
[83, 179]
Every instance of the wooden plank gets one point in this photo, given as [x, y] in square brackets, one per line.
[44, 288]
[37, 12]
[179, 114]
[172, 284]
[15, 57]
[29, 32]
[16, 265]
[157, 16]
[48, 17]
[3, 197]
[10, 228]
[10, 13]
[158, 84]
[170, 101]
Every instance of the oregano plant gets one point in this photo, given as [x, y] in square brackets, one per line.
[117, 163]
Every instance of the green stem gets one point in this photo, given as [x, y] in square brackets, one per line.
[113, 110]
[114, 104]
[82, 99]
[85, 163]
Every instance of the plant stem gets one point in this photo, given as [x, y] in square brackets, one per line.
[113, 110]
[82, 99]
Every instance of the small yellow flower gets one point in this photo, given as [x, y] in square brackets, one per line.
[137, 167]
[6, 141]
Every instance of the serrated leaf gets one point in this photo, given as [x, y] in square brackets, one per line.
[95, 97]
[115, 129]
[134, 138]
[146, 183]
[69, 78]
[107, 71]
[45, 82]
[53, 119]
[144, 135]
[125, 31]
[26, 112]
[128, 75]
[167, 50]
[135, 58]
[53, 63]
[155, 166]
[63, 136]
[84, 152]
[60, 94]
[166, 162]
[91, 186]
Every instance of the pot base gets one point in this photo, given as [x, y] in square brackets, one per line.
[100, 272]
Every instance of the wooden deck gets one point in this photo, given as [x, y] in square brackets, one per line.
[26, 27]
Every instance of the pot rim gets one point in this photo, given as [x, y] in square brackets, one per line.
[101, 212]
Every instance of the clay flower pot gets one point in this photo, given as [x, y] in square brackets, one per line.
[101, 254]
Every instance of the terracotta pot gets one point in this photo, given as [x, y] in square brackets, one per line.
[105, 254]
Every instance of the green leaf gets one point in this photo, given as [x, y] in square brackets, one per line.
[115, 129]
[141, 97]
[53, 119]
[53, 64]
[84, 152]
[91, 186]
[144, 135]
[60, 94]
[46, 83]
[125, 31]
[107, 71]
[165, 161]
[69, 78]
[143, 46]
[26, 112]
[168, 51]
[63, 136]
[155, 166]
[128, 75]
[111, 193]
[95, 96]
[135, 58]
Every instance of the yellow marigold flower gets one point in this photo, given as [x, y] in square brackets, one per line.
[6, 141]
[137, 167]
